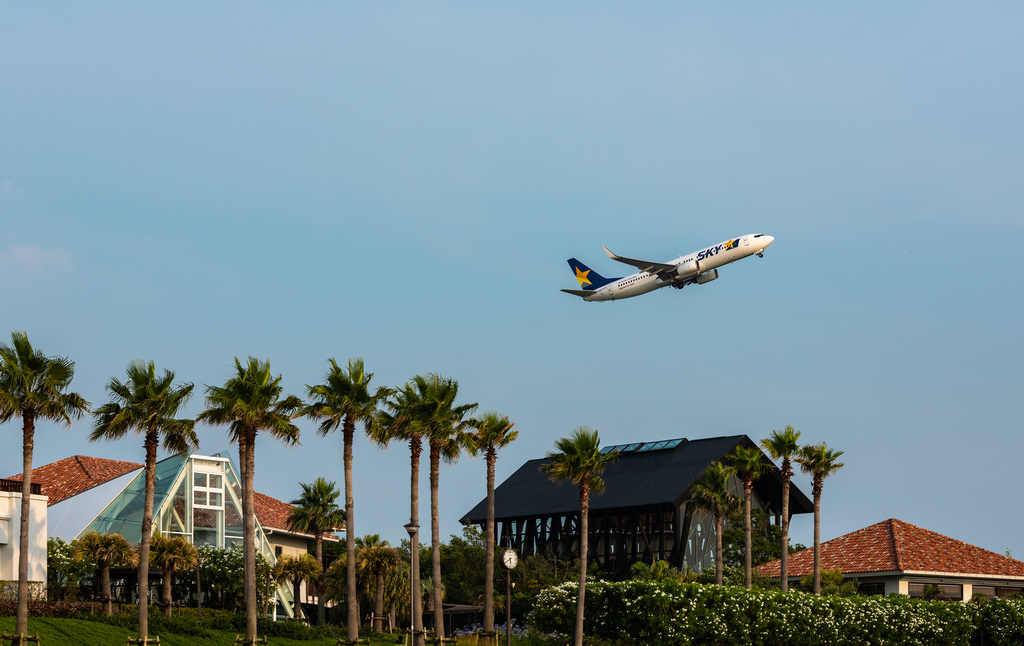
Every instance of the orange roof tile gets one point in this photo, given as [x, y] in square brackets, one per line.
[895, 546]
[273, 514]
[71, 476]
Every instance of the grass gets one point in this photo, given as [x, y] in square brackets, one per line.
[80, 632]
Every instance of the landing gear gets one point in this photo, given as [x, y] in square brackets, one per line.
[760, 255]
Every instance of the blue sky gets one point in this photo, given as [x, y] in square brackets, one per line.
[403, 182]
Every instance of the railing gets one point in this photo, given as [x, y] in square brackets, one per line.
[14, 486]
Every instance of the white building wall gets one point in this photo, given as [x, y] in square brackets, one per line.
[10, 534]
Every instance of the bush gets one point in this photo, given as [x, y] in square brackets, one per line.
[670, 612]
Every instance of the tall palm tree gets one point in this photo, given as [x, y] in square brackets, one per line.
[783, 445]
[445, 423]
[397, 422]
[377, 558]
[105, 550]
[820, 462]
[344, 399]
[710, 493]
[146, 404]
[316, 513]
[249, 402]
[296, 569]
[171, 553]
[491, 432]
[749, 465]
[33, 386]
[578, 459]
[425, 408]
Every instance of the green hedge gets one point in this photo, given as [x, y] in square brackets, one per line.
[669, 612]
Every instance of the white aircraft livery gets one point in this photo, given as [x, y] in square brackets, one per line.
[699, 267]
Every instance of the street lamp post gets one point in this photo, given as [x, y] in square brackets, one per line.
[415, 613]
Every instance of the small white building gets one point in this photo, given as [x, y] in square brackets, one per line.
[10, 538]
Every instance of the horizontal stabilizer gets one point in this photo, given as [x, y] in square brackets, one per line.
[580, 292]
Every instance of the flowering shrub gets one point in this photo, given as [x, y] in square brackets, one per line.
[670, 612]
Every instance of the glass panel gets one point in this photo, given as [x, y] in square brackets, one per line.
[199, 497]
[199, 479]
[216, 499]
[204, 518]
[988, 591]
[215, 482]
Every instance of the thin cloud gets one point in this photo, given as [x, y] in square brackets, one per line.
[31, 262]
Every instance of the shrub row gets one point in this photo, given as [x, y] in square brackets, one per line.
[670, 612]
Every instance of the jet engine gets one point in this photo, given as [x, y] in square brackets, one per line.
[706, 277]
[688, 269]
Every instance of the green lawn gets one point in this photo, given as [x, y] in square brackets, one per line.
[78, 632]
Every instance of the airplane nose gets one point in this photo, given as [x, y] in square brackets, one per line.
[768, 240]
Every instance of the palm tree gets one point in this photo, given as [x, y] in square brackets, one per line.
[296, 569]
[171, 553]
[377, 558]
[316, 513]
[247, 403]
[578, 459]
[820, 462]
[492, 432]
[146, 404]
[33, 386]
[749, 465]
[397, 423]
[105, 550]
[445, 423]
[710, 493]
[425, 407]
[782, 445]
[344, 400]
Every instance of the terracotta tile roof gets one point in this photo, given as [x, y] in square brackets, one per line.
[273, 514]
[895, 546]
[71, 476]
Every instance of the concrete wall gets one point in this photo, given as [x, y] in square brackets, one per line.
[10, 531]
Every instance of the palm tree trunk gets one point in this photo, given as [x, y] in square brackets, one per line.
[584, 540]
[415, 448]
[378, 606]
[27, 444]
[718, 547]
[108, 604]
[435, 537]
[784, 556]
[248, 460]
[489, 548]
[152, 439]
[748, 577]
[352, 627]
[296, 590]
[817, 543]
[167, 583]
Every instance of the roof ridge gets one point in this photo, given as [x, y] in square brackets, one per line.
[894, 528]
[88, 474]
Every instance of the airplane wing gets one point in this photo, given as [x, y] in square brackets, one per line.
[642, 265]
[579, 292]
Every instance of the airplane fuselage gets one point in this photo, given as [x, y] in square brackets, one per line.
[698, 267]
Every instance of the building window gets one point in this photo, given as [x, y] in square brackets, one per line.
[871, 588]
[987, 591]
[1009, 592]
[945, 591]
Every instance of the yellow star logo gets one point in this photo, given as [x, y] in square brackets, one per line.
[582, 276]
[730, 244]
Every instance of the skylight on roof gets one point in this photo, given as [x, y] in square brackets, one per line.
[643, 447]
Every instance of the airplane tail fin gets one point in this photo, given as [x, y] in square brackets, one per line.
[588, 278]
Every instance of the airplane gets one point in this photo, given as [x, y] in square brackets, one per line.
[698, 268]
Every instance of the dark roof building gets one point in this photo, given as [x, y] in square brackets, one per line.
[642, 514]
[893, 556]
